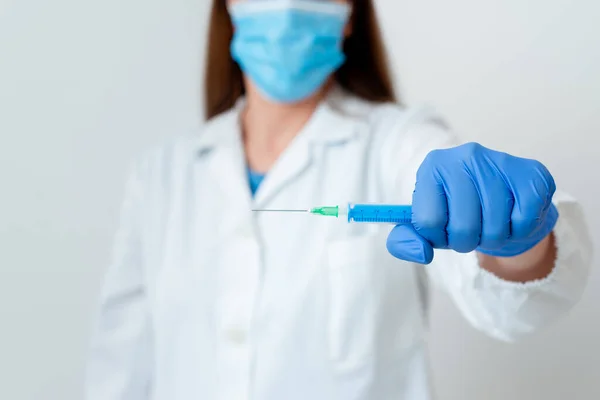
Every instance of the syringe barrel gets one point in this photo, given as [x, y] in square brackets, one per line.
[379, 213]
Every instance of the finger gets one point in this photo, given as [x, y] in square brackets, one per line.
[497, 204]
[533, 197]
[430, 208]
[406, 244]
[464, 211]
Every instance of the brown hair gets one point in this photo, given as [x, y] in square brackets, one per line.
[364, 74]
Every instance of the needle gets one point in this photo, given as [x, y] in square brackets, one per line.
[303, 211]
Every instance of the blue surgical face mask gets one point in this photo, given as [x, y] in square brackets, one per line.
[288, 48]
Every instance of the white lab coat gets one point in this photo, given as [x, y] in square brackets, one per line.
[204, 300]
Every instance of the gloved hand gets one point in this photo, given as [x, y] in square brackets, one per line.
[472, 198]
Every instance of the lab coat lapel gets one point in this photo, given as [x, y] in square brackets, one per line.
[290, 165]
[328, 125]
[228, 170]
[224, 155]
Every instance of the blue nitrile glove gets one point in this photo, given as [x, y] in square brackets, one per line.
[472, 198]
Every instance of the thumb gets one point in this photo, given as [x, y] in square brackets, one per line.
[406, 244]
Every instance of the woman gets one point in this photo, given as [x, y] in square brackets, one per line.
[206, 300]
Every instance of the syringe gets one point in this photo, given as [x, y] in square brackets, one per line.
[363, 213]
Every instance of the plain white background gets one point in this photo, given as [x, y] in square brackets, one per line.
[84, 86]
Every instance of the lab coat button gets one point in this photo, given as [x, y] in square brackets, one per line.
[237, 336]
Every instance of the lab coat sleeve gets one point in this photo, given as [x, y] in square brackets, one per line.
[120, 361]
[502, 309]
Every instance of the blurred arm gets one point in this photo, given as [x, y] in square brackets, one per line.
[503, 298]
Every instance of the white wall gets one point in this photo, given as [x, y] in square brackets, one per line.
[84, 85]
